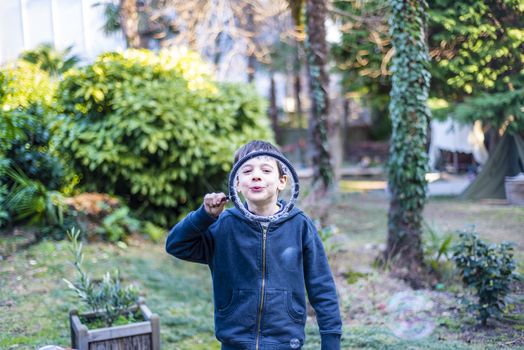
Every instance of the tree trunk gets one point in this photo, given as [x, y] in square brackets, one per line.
[297, 85]
[345, 127]
[273, 110]
[408, 158]
[129, 22]
[336, 112]
[251, 60]
[317, 56]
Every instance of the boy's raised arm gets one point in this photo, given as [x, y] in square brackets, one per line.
[321, 290]
[190, 239]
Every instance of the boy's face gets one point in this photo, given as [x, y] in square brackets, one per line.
[259, 182]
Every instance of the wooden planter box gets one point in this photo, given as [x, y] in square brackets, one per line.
[136, 336]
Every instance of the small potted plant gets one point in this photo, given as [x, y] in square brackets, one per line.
[118, 318]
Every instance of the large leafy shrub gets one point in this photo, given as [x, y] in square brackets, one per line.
[488, 268]
[26, 101]
[156, 129]
[26, 95]
[27, 106]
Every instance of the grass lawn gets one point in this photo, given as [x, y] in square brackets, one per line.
[34, 301]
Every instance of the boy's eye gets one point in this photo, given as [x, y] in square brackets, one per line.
[266, 171]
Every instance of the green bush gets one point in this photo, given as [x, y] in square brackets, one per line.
[488, 268]
[154, 232]
[117, 225]
[26, 108]
[32, 152]
[156, 130]
[26, 96]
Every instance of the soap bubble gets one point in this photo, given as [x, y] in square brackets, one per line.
[410, 315]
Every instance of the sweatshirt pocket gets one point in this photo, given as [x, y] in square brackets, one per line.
[236, 320]
[295, 312]
[229, 307]
[283, 319]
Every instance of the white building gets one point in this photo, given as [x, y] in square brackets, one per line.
[25, 24]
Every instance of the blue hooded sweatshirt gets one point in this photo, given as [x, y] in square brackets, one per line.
[260, 278]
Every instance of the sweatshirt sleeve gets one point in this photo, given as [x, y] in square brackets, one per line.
[321, 290]
[190, 239]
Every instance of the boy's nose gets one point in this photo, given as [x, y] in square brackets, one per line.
[256, 176]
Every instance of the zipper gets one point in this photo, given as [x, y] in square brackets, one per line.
[261, 304]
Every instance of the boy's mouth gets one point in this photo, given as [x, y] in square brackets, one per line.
[256, 188]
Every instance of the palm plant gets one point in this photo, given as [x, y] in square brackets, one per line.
[53, 61]
[437, 248]
[4, 214]
[112, 17]
[30, 199]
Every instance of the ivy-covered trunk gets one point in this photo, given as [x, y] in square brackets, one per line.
[317, 55]
[408, 159]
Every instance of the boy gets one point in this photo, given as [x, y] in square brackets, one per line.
[260, 272]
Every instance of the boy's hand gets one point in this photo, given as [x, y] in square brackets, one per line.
[214, 203]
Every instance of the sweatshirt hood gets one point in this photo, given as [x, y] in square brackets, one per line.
[294, 212]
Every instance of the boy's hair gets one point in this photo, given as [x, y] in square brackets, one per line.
[258, 145]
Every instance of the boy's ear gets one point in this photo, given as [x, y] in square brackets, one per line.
[282, 183]
[236, 186]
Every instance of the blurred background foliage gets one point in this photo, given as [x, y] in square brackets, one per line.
[30, 164]
[477, 65]
[154, 130]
